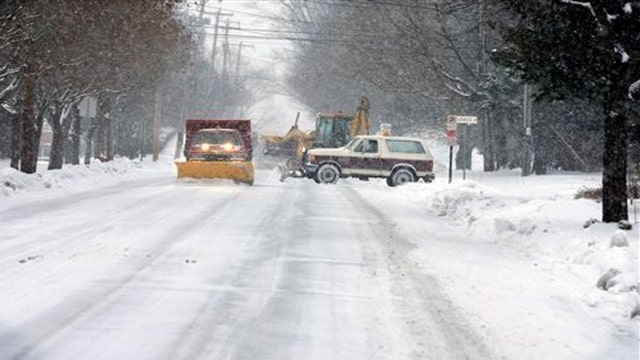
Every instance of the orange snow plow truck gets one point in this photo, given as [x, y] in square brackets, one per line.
[217, 149]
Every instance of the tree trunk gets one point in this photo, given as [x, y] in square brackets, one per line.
[56, 156]
[614, 171]
[89, 141]
[540, 150]
[102, 126]
[157, 119]
[99, 139]
[72, 149]
[16, 141]
[487, 146]
[179, 144]
[28, 152]
[109, 139]
[501, 154]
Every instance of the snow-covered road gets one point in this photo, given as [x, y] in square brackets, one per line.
[158, 269]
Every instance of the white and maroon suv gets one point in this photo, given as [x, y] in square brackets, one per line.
[398, 159]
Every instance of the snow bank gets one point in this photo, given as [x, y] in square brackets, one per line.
[15, 182]
[518, 233]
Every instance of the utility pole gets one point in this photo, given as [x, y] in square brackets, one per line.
[157, 118]
[240, 46]
[489, 161]
[225, 50]
[215, 42]
[201, 12]
[526, 116]
[214, 45]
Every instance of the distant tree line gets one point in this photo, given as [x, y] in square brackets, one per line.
[419, 61]
[131, 56]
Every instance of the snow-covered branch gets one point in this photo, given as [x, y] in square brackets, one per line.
[586, 4]
[634, 91]
[455, 83]
[9, 108]
[8, 91]
[6, 71]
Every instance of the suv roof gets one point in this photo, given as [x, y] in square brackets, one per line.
[389, 137]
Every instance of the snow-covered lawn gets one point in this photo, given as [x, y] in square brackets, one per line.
[519, 255]
[518, 259]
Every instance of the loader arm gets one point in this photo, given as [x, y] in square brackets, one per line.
[361, 124]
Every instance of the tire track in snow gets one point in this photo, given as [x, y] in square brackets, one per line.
[226, 318]
[67, 233]
[419, 299]
[80, 308]
[34, 208]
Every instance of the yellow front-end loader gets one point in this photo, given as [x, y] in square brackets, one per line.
[332, 130]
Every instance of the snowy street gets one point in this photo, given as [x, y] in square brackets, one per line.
[159, 269]
[319, 180]
[121, 260]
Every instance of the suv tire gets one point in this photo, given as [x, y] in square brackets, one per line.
[327, 174]
[400, 177]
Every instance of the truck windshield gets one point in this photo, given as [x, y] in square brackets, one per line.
[217, 137]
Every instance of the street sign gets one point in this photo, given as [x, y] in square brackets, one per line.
[451, 122]
[451, 130]
[466, 119]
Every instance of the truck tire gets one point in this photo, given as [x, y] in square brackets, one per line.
[291, 163]
[401, 176]
[327, 174]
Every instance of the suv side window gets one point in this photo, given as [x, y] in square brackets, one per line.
[405, 146]
[367, 146]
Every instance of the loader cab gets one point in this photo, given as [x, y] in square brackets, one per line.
[332, 131]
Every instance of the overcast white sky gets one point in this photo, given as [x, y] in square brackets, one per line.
[246, 19]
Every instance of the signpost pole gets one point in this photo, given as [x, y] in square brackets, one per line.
[450, 163]
[464, 153]
[451, 139]
[466, 121]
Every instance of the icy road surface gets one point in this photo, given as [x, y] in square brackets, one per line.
[160, 269]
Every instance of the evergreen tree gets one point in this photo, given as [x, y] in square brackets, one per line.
[587, 50]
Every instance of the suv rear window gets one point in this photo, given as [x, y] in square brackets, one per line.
[405, 146]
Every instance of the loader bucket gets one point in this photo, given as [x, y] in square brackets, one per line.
[239, 171]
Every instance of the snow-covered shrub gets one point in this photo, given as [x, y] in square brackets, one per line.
[619, 239]
[625, 225]
[590, 222]
[607, 281]
[589, 193]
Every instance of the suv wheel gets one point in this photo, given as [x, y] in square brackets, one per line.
[401, 176]
[327, 174]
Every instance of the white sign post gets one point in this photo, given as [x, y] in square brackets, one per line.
[451, 140]
[452, 123]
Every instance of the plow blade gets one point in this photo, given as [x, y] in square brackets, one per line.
[240, 171]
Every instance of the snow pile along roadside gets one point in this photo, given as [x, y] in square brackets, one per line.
[555, 230]
[70, 177]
